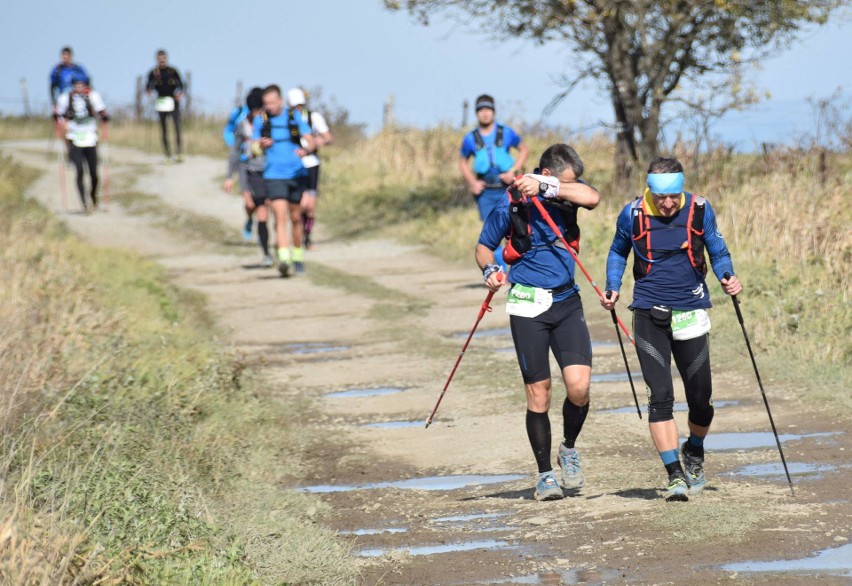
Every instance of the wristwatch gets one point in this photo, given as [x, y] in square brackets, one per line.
[543, 187]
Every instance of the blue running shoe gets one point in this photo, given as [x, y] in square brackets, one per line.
[247, 230]
[547, 489]
[572, 473]
[298, 266]
[694, 467]
[678, 489]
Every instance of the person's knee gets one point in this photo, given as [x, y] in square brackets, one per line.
[660, 410]
[577, 383]
[538, 396]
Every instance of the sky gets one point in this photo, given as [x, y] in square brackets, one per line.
[360, 54]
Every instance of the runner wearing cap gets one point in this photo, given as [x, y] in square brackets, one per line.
[493, 168]
[296, 99]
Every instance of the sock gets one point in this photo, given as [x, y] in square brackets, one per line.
[284, 254]
[671, 461]
[572, 421]
[538, 432]
[263, 237]
[249, 223]
[308, 223]
[695, 445]
[299, 254]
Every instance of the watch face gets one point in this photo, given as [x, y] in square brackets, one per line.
[542, 187]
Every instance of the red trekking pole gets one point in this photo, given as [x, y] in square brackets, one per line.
[482, 310]
[558, 232]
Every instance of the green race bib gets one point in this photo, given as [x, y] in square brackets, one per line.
[524, 301]
[687, 325]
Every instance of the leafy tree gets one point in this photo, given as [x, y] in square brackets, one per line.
[639, 50]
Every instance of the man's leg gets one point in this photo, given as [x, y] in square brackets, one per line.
[692, 358]
[296, 228]
[280, 211]
[572, 346]
[309, 204]
[91, 154]
[263, 231]
[178, 140]
[164, 132]
[653, 347]
[75, 153]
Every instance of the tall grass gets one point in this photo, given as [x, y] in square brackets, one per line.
[134, 450]
[789, 235]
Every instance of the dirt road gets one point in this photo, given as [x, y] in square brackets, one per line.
[370, 333]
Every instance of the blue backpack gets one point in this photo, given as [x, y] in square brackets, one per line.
[482, 161]
[236, 116]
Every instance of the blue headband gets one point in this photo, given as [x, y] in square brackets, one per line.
[665, 182]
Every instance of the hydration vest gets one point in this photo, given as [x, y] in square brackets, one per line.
[482, 162]
[519, 241]
[295, 136]
[235, 118]
[71, 113]
[693, 246]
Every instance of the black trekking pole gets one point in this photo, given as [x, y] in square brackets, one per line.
[624, 355]
[736, 303]
[485, 307]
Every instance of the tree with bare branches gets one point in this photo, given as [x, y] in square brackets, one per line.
[640, 50]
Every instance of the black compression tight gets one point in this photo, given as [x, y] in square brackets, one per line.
[538, 431]
[655, 348]
[573, 418]
[263, 236]
[90, 156]
[175, 116]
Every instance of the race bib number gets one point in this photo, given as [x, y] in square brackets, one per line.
[687, 325]
[165, 104]
[84, 137]
[526, 301]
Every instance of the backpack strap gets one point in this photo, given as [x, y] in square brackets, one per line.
[498, 139]
[641, 237]
[695, 233]
[477, 139]
[293, 128]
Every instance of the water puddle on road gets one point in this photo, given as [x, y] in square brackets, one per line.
[753, 440]
[377, 531]
[466, 518]
[776, 471]
[511, 349]
[377, 392]
[678, 407]
[484, 333]
[395, 424]
[616, 377]
[565, 577]
[312, 348]
[425, 483]
[835, 561]
[436, 549]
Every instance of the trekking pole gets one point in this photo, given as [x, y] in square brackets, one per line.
[63, 193]
[485, 307]
[558, 232]
[106, 165]
[624, 355]
[736, 303]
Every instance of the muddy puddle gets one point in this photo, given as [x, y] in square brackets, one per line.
[370, 392]
[312, 348]
[753, 440]
[835, 561]
[775, 471]
[424, 483]
[376, 531]
[617, 377]
[683, 407]
[489, 544]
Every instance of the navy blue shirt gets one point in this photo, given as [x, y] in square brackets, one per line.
[672, 280]
[546, 265]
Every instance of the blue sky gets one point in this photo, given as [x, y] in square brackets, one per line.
[360, 54]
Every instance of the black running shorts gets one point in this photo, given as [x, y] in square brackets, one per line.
[313, 179]
[562, 329]
[289, 189]
[257, 187]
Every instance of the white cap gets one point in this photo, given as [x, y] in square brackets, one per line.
[295, 97]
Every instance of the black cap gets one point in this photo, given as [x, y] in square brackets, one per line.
[484, 101]
[254, 99]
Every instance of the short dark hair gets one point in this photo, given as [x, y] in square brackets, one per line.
[254, 99]
[272, 88]
[67, 50]
[161, 52]
[665, 165]
[559, 157]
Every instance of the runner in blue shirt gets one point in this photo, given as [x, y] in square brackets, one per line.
[63, 74]
[286, 138]
[545, 308]
[493, 168]
[668, 230]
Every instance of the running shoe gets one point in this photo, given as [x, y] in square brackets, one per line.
[678, 489]
[284, 269]
[547, 489]
[179, 158]
[694, 467]
[266, 261]
[299, 266]
[572, 472]
[247, 230]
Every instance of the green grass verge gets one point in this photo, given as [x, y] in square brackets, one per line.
[134, 449]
